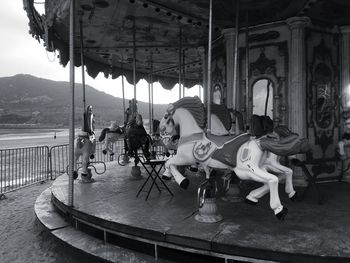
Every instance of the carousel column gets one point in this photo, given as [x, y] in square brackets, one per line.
[345, 74]
[297, 83]
[345, 65]
[229, 36]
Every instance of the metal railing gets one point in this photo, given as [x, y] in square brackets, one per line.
[20, 167]
[59, 157]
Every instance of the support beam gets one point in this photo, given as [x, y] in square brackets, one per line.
[72, 112]
[297, 84]
[345, 77]
[345, 66]
[297, 80]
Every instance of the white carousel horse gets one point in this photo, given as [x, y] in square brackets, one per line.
[243, 156]
[110, 135]
[85, 146]
[271, 162]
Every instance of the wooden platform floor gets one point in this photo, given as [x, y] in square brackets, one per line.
[310, 232]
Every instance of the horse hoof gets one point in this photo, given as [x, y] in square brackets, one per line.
[184, 184]
[250, 202]
[281, 215]
[92, 156]
[167, 178]
[75, 175]
[104, 152]
[294, 197]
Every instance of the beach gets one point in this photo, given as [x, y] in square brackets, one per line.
[15, 138]
[23, 238]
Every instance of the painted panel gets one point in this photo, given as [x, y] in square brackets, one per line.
[323, 99]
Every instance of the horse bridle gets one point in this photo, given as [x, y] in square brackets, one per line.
[169, 117]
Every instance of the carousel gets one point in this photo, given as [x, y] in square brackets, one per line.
[257, 171]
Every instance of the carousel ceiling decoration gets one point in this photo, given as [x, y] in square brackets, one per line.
[108, 28]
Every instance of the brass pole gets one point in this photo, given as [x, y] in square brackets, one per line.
[209, 67]
[235, 75]
[134, 60]
[82, 63]
[72, 87]
[150, 102]
[247, 69]
[123, 91]
[180, 57]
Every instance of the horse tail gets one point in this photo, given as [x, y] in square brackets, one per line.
[103, 134]
[285, 147]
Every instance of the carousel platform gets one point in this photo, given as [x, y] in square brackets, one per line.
[163, 227]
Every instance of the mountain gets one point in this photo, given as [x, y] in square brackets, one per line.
[26, 99]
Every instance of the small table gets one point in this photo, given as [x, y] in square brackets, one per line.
[153, 173]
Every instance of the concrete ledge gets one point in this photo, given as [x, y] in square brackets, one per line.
[85, 243]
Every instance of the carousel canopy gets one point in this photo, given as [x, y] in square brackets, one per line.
[161, 27]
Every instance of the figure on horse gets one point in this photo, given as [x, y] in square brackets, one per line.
[135, 134]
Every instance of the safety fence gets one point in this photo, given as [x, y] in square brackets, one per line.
[20, 167]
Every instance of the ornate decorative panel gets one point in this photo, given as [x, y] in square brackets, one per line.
[266, 61]
[322, 96]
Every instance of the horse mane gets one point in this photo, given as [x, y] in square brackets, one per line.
[195, 106]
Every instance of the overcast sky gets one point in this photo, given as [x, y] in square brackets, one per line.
[22, 54]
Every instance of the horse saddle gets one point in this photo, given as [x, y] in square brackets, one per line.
[220, 148]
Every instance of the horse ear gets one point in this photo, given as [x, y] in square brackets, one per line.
[170, 108]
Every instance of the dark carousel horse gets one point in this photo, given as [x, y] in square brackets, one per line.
[137, 138]
[164, 146]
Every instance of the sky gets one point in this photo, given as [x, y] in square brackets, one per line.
[20, 53]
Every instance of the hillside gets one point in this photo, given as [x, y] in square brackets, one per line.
[26, 99]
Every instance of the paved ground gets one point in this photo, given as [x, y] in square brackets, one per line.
[23, 238]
